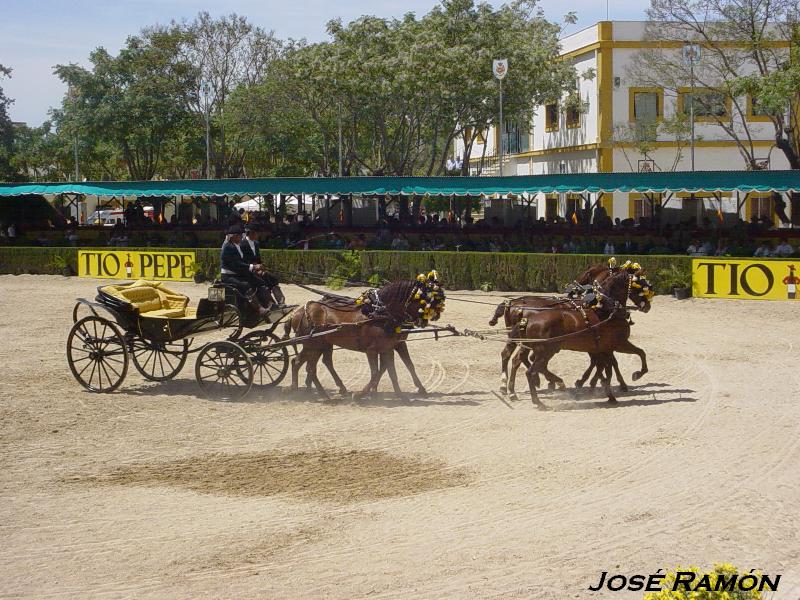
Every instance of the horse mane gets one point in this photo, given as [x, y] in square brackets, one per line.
[396, 291]
[589, 275]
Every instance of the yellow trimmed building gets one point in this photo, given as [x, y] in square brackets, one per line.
[561, 139]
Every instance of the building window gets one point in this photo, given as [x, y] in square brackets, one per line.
[708, 104]
[646, 104]
[761, 207]
[573, 117]
[515, 139]
[551, 207]
[551, 117]
[642, 208]
[756, 112]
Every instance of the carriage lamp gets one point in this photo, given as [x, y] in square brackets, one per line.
[216, 294]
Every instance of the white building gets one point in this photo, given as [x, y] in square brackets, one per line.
[564, 140]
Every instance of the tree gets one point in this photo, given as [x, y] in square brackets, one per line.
[744, 51]
[7, 172]
[132, 101]
[224, 53]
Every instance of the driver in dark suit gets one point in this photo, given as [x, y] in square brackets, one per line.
[240, 273]
[251, 251]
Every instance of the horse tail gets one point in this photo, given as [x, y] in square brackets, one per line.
[498, 312]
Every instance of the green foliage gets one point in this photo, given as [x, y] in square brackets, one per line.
[675, 275]
[7, 171]
[348, 269]
[457, 270]
[487, 286]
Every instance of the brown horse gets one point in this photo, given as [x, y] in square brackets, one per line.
[595, 273]
[599, 331]
[351, 326]
[639, 292]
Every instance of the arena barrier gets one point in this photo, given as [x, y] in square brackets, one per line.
[745, 279]
[131, 264]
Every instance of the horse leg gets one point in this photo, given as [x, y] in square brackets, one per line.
[553, 380]
[627, 347]
[327, 360]
[375, 374]
[402, 352]
[615, 365]
[540, 359]
[592, 363]
[520, 357]
[312, 370]
[297, 362]
[505, 355]
[605, 367]
[387, 359]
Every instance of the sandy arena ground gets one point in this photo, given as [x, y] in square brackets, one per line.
[154, 492]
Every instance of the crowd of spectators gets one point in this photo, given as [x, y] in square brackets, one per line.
[455, 232]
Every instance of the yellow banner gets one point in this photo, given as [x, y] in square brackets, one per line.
[124, 264]
[746, 279]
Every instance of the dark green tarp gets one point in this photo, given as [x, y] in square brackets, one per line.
[697, 181]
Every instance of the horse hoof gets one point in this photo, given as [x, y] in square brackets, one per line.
[637, 375]
[612, 400]
[560, 385]
[623, 388]
[578, 383]
[422, 392]
[551, 385]
[540, 406]
[343, 391]
[513, 398]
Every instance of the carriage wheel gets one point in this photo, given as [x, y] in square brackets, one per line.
[230, 321]
[223, 370]
[159, 361]
[270, 364]
[97, 354]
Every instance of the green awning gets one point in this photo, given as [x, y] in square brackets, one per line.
[697, 181]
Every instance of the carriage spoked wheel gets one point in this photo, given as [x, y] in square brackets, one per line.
[270, 364]
[230, 322]
[97, 354]
[224, 370]
[159, 361]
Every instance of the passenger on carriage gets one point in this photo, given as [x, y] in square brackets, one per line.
[241, 274]
[251, 250]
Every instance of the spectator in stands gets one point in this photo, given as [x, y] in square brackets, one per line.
[695, 249]
[722, 248]
[609, 249]
[12, 232]
[569, 246]
[783, 249]
[400, 242]
[763, 250]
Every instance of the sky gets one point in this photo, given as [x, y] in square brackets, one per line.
[35, 35]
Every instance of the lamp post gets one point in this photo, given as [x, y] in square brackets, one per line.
[500, 69]
[691, 55]
[208, 128]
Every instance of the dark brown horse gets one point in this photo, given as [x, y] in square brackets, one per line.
[598, 331]
[639, 292]
[352, 326]
[506, 310]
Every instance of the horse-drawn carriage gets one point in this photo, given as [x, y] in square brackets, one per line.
[154, 327]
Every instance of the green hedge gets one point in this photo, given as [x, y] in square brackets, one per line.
[458, 270]
[504, 271]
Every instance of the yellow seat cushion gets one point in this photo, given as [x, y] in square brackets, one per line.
[151, 298]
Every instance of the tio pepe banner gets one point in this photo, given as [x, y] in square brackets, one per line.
[745, 279]
[124, 264]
